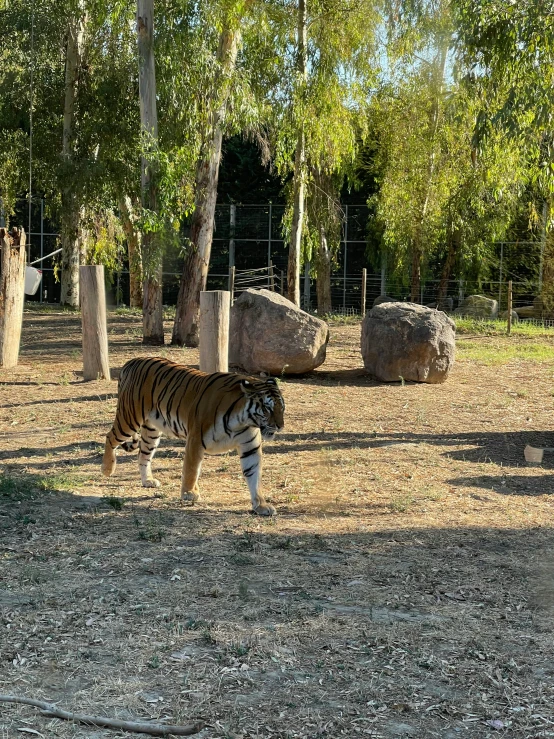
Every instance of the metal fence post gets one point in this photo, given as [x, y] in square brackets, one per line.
[500, 276]
[364, 290]
[345, 257]
[41, 242]
[269, 239]
[232, 225]
[383, 274]
[306, 286]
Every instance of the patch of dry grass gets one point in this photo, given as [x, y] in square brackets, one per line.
[405, 589]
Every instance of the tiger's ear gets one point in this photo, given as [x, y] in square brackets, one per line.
[246, 385]
[271, 381]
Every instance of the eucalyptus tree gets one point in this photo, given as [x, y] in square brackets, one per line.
[85, 138]
[330, 63]
[509, 48]
[213, 104]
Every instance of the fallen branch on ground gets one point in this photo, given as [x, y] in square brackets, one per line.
[48, 709]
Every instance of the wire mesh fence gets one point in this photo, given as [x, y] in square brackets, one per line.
[250, 239]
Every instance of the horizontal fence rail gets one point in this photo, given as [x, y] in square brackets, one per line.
[249, 239]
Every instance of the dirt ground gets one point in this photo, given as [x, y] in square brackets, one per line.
[406, 587]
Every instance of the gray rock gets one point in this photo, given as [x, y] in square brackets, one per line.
[270, 334]
[409, 341]
[478, 306]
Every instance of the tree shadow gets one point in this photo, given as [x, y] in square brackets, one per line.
[509, 484]
[495, 446]
[61, 401]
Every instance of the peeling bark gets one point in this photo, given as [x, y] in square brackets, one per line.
[132, 235]
[152, 308]
[299, 196]
[197, 260]
[70, 206]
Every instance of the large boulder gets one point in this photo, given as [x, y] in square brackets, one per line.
[270, 334]
[408, 341]
[477, 306]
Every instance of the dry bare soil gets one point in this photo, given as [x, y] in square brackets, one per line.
[406, 587]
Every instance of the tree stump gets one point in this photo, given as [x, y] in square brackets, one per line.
[12, 284]
[214, 330]
[96, 361]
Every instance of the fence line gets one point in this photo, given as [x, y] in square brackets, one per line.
[250, 238]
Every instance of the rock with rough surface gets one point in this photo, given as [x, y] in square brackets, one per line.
[477, 306]
[270, 334]
[408, 341]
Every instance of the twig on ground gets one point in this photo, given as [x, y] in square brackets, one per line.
[48, 709]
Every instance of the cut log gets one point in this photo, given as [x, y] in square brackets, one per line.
[12, 285]
[96, 361]
[214, 330]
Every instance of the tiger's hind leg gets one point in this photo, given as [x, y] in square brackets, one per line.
[149, 440]
[116, 438]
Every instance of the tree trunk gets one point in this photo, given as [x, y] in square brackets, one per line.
[152, 308]
[70, 206]
[453, 243]
[132, 235]
[293, 269]
[12, 282]
[323, 266]
[418, 250]
[197, 260]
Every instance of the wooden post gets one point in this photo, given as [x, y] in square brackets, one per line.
[214, 330]
[282, 282]
[12, 286]
[364, 289]
[272, 277]
[509, 306]
[232, 271]
[96, 362]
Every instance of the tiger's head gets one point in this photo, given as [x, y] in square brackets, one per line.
[265, 407]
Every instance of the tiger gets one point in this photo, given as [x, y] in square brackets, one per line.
[213, 413]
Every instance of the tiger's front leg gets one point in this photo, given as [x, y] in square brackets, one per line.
[251, 463]
[149, 440]
[192, 464]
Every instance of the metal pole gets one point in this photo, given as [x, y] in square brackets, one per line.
[232, 225]
[32, 64]
[41, 242]
[282, 282]
[500, 276]
[383, 274]
[364, 289]
[307, 286]
[269, 239]
[543, 243]
[345, 256]
[509, 306]
[232, 283]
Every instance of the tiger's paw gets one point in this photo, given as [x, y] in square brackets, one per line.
[151, 483]
[189, 497]
[265, 510]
